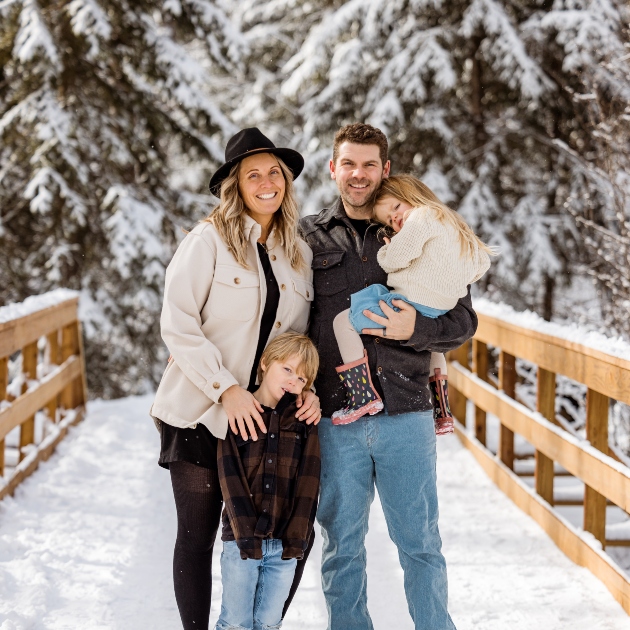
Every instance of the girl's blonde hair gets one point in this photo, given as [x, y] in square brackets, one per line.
[228, 218]
[411, 190]
[291, 344]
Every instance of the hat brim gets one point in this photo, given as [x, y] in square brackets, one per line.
[293, 160]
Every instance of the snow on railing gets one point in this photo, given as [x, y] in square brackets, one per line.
[42, 381]
[516, 433]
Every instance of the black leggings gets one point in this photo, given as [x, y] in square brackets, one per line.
[198, 503]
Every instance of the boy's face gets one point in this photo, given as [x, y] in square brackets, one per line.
[283, 376]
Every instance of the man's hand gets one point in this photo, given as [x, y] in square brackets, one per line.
[242, 409]
[398, 325]
[309, 410]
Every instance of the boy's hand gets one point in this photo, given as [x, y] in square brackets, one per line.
[387, 240]
[309, 409]
[242, 409]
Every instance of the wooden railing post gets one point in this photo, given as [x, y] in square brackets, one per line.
[597, 434]
[507, 383]
[457, 399]
[4, 381]
[29, 368]
[480, 368]
[53, 356]
[81, 393]
[546, 406]
[69, 347]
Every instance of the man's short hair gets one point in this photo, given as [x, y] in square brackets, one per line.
[361, 133]
[288, 345]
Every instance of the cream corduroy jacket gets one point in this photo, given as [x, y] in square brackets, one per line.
[211, 321]
[424, 264]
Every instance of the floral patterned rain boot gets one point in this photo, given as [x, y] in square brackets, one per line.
[442, 416]
[361, 397]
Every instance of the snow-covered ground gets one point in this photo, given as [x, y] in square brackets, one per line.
[87, 541]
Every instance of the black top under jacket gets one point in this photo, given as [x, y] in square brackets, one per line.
[269, 313]
[344, 263]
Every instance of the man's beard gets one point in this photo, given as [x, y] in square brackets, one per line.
[363, 208]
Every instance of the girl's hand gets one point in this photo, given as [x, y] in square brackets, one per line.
[387, 240]
[242, 409]
[309, 409]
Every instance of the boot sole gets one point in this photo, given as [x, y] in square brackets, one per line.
[370, 408]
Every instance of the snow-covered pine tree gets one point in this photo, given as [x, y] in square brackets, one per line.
[274, 31]
[477, 98]
[96, 99]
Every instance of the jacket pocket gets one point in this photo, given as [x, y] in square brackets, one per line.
[329, 273]
[235, 293]
[302, 298]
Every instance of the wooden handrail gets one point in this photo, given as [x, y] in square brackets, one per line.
[61, 392]
[605, 373]
[605, 478]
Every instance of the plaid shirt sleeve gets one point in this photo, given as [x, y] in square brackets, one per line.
[300, 525]
[239, 502]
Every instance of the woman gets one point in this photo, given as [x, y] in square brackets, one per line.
[237, 280]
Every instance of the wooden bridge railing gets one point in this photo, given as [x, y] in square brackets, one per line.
[605, 478]
[51, 338]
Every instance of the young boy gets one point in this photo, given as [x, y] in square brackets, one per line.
[270, 489]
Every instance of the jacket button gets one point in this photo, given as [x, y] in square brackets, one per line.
[237, 281]
[324, 263]
[273, 256]
[278, 324]
[283, 287]
[364, 259]
[367, 284]
[379, 370]
[377, 340]
[308, 295]
[216, 385]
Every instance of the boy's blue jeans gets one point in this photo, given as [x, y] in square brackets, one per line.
[396, 454]
[254, 591]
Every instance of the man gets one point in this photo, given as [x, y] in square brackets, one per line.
[393, 450]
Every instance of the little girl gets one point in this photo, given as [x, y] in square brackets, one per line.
[431, 259]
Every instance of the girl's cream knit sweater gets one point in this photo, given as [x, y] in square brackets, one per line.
[424, 262]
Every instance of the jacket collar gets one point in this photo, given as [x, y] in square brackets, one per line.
[336, 211]
[253, 230]
[249, 225]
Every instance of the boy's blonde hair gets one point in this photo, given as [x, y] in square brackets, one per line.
[288, 345]
[411, 190]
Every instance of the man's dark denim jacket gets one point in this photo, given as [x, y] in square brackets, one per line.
[344, 264]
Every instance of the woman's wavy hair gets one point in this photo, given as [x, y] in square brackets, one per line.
[411, 190]
[229, 220]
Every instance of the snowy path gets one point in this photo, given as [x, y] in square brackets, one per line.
[86, 543]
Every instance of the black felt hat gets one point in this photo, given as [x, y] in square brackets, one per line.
[249, 142]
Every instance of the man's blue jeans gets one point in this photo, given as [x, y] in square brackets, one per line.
[398, 455]
[254, 591]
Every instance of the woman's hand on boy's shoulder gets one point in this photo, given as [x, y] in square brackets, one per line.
[309, 409]
[242, 410]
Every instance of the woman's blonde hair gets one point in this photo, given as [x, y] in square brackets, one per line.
[291, 344]
[411, 190]
[228, 218]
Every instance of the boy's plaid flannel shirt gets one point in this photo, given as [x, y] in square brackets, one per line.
[270, 486]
